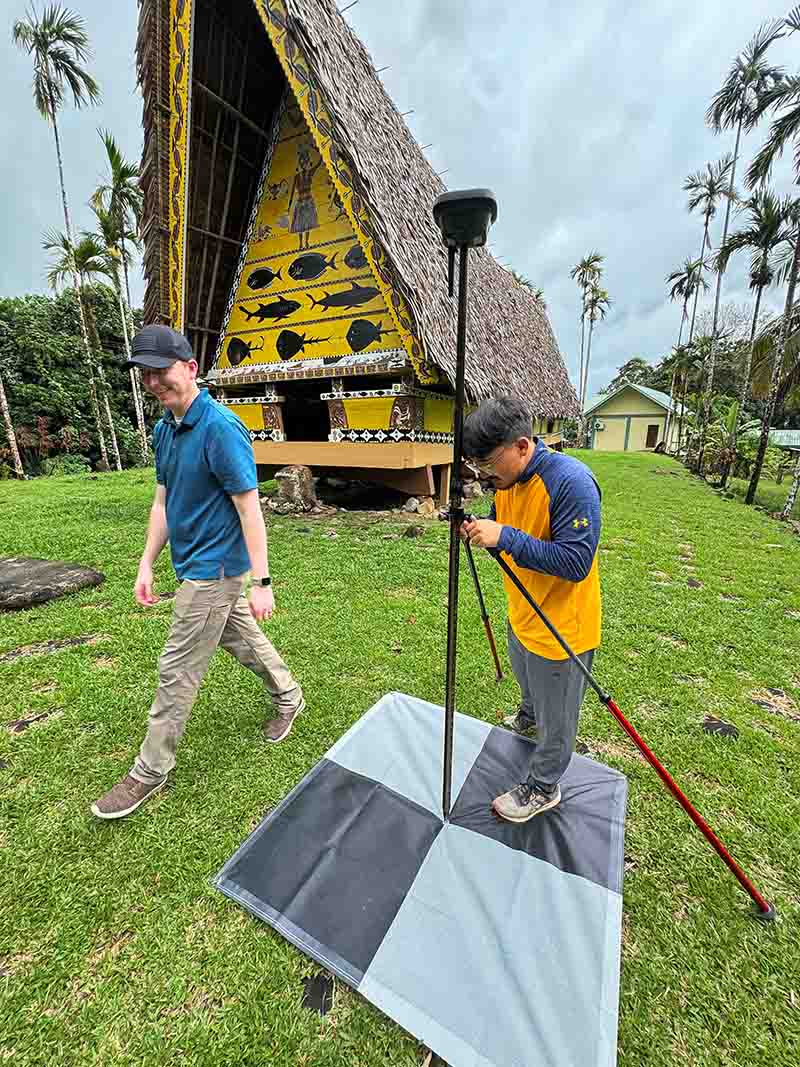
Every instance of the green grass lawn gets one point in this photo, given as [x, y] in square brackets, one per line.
[114, 948]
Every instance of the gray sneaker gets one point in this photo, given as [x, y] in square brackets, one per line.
[520, 724]
[125, 797]
[523, 802]
[278, 729]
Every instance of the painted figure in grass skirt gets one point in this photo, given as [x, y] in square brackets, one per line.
[304, 217]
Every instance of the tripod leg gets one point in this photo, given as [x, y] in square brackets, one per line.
[487, 625]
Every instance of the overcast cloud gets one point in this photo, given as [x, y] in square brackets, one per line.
[584, 118]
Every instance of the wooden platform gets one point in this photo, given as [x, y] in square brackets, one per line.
[412, 467]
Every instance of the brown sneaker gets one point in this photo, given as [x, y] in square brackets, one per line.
[126, 796]
[276, 730]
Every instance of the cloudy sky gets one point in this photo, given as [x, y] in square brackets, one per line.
[584, 118]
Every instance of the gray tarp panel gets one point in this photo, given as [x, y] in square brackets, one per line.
[497, 945]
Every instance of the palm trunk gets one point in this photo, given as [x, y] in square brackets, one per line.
[683, 408]
[776, 375]
[670, 413]
[588, 359]
[725, 228]
[745, 388]
[12, 437]
[668, 425]
[709, 370]
[76, 286]
[713, 354]
[125, 270]
[95, 342]
[580, 368]
[582, 434]
[792, 496]
[697, 287]
[137, 399]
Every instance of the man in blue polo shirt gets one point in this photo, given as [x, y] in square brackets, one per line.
[206, 506]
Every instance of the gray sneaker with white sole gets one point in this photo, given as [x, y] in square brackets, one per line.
[523, 802]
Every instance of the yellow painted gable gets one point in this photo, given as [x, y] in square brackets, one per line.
[628, 402]
[305, 289]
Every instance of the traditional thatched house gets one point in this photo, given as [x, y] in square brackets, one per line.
[288, 233]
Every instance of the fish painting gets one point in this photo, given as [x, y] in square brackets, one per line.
[355, 258]
[347, 298]
[363, 332]
[278, 309]
[311, 265]
[261, 278]
[239, 350]
[290, 343]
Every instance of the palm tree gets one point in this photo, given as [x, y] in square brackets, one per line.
[587, 272]
[59, 46]
[783, 98]
[736, 106]
[112, 242]
[122, 198]
[686, 281]
[706, 188]
[686, 362]
[87, 260]
[597, 304]
[769, 227]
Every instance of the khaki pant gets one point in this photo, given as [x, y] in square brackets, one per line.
[207, 615]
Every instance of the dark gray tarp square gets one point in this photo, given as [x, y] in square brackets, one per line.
[583, 835]
[335, 861]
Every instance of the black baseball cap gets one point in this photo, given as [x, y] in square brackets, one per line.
[159, 346]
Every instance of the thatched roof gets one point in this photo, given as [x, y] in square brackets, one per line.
[511, 347]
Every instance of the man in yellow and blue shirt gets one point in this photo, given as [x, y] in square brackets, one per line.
[546, 523]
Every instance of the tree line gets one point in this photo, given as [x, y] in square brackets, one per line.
[90, 271]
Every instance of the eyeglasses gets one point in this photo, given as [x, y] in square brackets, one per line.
[489, 465]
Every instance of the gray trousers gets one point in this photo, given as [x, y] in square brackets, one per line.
[552, 694]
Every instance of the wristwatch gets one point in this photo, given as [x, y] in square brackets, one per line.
[263, 582]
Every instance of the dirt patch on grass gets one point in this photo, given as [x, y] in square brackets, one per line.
[18, 726]
[673, 639]
[46, 648]
[12, 965]
[404, 592]
[776, 701]
[44, 687]
[110, 950]
[618, 750]
[105, 663]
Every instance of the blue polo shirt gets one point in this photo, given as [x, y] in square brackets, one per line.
[200, 463]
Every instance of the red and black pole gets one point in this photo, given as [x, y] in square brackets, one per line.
[764, 910]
